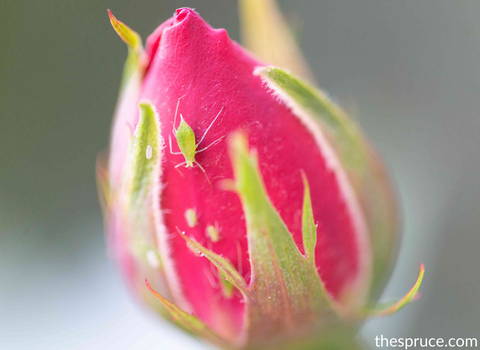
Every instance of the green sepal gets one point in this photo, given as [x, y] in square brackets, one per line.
[285, 286]
[344, 133]
[309, 237]
[223, 265]
[309, 229]
[145, 157]
[185, 320]
[128, 35]
[142, 172]
[361, 164]
[134, 65]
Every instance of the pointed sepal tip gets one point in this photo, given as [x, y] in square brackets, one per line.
[309, 229]
[410, 296]
[127, 34]
[184, 319]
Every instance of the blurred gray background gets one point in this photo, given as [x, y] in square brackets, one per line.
[408, 70]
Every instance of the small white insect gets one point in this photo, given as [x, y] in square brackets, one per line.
[213, 233]
[149, 152]
[152, 259]
[191, 217]
[186, 140]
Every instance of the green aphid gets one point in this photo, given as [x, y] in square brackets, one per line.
[187, 142]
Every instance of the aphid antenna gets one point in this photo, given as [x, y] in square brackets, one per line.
[210, 126]
[176, 113]
[211, 145]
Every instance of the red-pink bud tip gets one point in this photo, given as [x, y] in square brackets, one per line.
[182, 13]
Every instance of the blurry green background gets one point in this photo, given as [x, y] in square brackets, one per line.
[407, 70]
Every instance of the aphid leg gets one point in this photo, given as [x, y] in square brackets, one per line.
[199, 166]
[180, 164]
[176, 113]
[208, 129]
[203, 171]
[171, 146]
[210, 145]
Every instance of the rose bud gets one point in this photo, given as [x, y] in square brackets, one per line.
[242, 203]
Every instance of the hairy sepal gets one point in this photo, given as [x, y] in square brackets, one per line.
[137, 197]
[132, 76]
[309, 228]
[185, 320]
[133, 172]
[285, 288]
[223, 265]
[135, 63]
[145, 155]
[364, 171]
